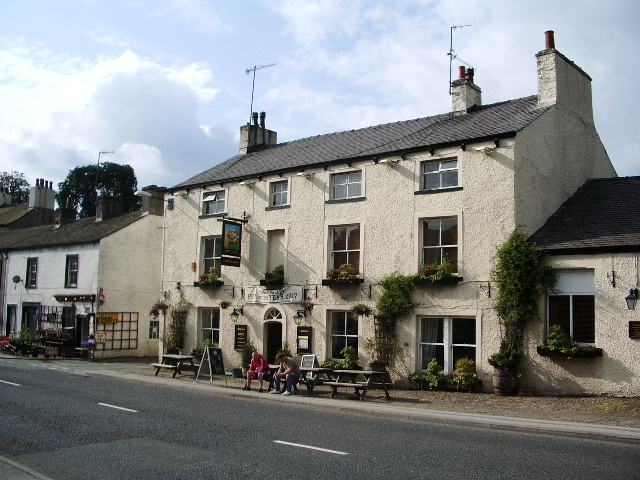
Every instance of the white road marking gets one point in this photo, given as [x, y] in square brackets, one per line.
[10, 383]
[310, 447]
[118, 408]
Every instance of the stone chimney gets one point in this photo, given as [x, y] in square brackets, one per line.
[154, 205]
[65, 214]
[108, 206]
[41, 195]
[562, 82]
[464, 93]
[254, 136]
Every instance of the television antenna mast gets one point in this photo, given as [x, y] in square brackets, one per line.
[452, 54]
[253, 85]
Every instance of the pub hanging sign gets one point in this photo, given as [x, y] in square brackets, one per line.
[231, 243]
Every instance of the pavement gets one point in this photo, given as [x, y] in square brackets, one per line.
[138, 370]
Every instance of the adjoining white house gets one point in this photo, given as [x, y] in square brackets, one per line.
[94, 277]
[388, 198]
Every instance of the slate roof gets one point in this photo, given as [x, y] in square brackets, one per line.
[497, 120]
[85, 230]
[11, 213]
[602, 216]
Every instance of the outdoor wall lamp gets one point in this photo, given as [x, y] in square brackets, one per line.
[632, 299]
[299, 316]
[235, 314]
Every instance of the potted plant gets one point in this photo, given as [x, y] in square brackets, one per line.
[346, 274]
[431, 379]
[362, 310]
[561, 345]
[224, 304]
[437, 274]
[274, 278]
[465, 378]
[349, 360]
[245, 356]
[211, 278]
[307, 305]
[522, 276]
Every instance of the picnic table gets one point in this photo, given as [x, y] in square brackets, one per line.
[312, 376]
[350, 379]
[175, 362]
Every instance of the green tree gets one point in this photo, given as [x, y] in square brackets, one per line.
[78, 190]
[16, 184]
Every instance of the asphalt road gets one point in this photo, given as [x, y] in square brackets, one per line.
[64, 424]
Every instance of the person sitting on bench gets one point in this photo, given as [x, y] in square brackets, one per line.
[259, 367]
[289, 370]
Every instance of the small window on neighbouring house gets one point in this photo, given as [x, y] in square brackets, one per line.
[346, 185]
[154, 329]
[71, 272]
[32, 273]
[439, 174]
[214, 202]
[279, 193]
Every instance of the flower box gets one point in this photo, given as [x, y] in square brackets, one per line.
[331, 282]
[215, 283]
[425, 282]
[271, 286]
[584, 353]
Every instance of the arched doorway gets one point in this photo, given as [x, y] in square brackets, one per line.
[272, 333]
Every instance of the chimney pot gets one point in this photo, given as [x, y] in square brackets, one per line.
[262, 117]
[254, 116]
[461, 71]
[549, 40]
[470, 73]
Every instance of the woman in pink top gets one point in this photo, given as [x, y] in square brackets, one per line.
[259, 367]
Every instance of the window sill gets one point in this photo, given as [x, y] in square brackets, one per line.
[547, 352]
[346, 200]
[328, 282]
[437, 190]
[217, 283]
[213, 215]
[272, 286]
[276, 207]
[425, 282]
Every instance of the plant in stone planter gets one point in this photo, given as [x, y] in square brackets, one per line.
[522, 276]
[212, 276]
[464, 376]
[275, 277]
[432, 379]
[345, 272]
[245, 354]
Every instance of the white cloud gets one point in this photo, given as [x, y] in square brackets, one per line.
[59, 112]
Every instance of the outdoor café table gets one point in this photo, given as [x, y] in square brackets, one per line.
[348, 378]
[175, 362]
[314, 376]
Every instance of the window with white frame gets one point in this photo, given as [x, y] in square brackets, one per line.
[440, 241]
[279, 193]
[71, 271]
[211, 254]
[572, 305]
[210, 325]
[437, 174]
[214, 202]
[345, 246]
[344, 332]
[32, 273]
[154, 329]
[447, 339]
[346, 185]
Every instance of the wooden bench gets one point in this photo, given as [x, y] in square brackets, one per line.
[356, 386]
[158, 366]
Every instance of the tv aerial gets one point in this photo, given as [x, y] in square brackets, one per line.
[452, 54]
[253, 85]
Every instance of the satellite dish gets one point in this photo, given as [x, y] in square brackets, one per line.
[16, 279]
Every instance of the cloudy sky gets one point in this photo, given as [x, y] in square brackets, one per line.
[163, 83]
